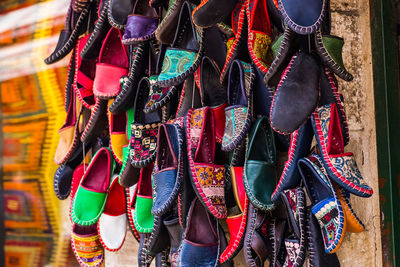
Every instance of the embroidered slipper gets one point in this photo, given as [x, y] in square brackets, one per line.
[315, 244]
[184, 55]
[92, 47]
[326, 206]
[308, 20]
[211, 12]
[275, 15]
[128, 175]
[91, 195]
[207, 177]
[167, 27]
[75, 25]
[257, 247]
[97, 122]
[201, 243]
[295, 203]
[76, 180]
[131, 193]
[169, 162]
[113, 222]
[118, 12]
[330, 49]
[86, 245]
[238, 114]
[237, 43]
[69, 132]
[113, 64]
[353, 223]
[296, 96]
[300, 144]
[259, 175]
[330, 94]
[141, 24]
[142, 218]
[236, 222]
[84, 75]
[283, 49]
[277, 228]
[175, 232]
[144, 130]
[259, 34]
[118, 140]
[341, 167]
[126, 96]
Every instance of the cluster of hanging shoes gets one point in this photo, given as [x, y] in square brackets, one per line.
[175, 113]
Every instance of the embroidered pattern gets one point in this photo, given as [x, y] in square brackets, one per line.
[347, 167]
[143, 143]
[176, 62]
[88, 249]
[291, 196]
[158, 96]
[235, 120]
[260, 48]
[327, 214]
[292, 252]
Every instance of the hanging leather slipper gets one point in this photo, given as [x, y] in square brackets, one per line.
[325, 205]
[118, 140]
[167, 27]
[169, 162]
[300, 144]
[91, 195]
[70, 81]
[131, 194]
[341, 166]
[308, 20]
[259, 34]
[86, 245]
[275, 15]
[118, 12]
[208, 178]
[238, 114]
[141, 24]
[277, 231]
[113, 222]
[296, 96]
[330, 48]
[113, 64]
[144, 130]
[76, 180]
[184, 55]
[128, 175]
[211, 12]
[175, 232]
[259, 175]
[97, 122]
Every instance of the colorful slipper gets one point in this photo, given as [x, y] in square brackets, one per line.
[92, 47]
[141, 24]
[84, 75]
[118, 12]
[211, 12]
[315, 244]
[259, 34]
[86, 245]
[283, 50]
[118, 140]
[308, 20]
[330, 48]
[113, 222]
[259, 175]
[300, 144]
[208, 178]
[142, 218]
[296, 96]
[144, 129]
[169, 162]
[238, 114]
[76, 180]
[237, 222]
[325, 205]
[184, 55]
[167, 27]
[295, 203]
[341, 167]
[91, 195]
[113, 64]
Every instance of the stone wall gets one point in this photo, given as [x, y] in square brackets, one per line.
[350, 20]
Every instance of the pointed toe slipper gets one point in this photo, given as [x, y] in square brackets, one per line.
[158, 96]
[341, 166]
[259, 172]
[128, 175]
[113, 64]
[86, 245]
[238, 114]
[91, 195]
[169, 160]
[62, 181]
[208, 178]
[119, 11]
[184, 55]
[303, 17]
[326, 206]
[113, 222]
[166, 29]
[211, 12]
[296, 96]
